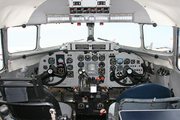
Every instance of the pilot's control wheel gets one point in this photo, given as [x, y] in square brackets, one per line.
[128, 72]
[59, 71]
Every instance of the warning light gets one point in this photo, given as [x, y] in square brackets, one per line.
[92, 8]
[78, 24]
[101, 23]
[71, 8]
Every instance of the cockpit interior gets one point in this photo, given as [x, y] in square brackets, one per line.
[89, 60]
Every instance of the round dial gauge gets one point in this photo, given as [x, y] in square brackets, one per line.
[87, 57]
[51, 61]
[80, 57]
[146, 63]
[69, 60]
[80, 64]
[101, 71]
[127, 61]
[94, 57]
[60, 60]
[113, 61]
[132, 61]
[119, 68]
[101, 64]
[70, 67]
[119, 61]
[112, 68]
[102, 57]
[151, 66]
[61, 71]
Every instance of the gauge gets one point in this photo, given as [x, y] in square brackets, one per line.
[146, 63]
[80, 57]
[126, 61]
[69, 60]
[119, 61]
[60, 60]
[113, 61]
[61, 70]
[119, 68]
[129, 71]
[70, 74]
[132, 61]
[94, 57]
[45, 67]
[101, 71]
[151, 66]
[102, 57]
[51, 60]
[119, 74]
[70, 67]
[112, 68]
[87, 57]
[80, 64]
[101, 64]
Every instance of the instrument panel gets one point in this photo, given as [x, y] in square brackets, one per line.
[96, 64]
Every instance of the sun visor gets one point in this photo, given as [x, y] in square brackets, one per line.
[17, 12]
[162, 12]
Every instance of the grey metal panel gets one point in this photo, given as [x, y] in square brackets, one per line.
[49, 7]
[130, 6]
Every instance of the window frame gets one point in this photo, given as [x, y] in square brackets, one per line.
[155, 51]
[36, 40]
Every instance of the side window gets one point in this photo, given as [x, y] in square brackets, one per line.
[1, 58]
[159, 38]
[22, 39]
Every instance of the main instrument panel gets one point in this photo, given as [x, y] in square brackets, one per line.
[97, 64]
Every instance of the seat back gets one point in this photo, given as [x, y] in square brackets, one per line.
[141, 97]
[145, 91]
[27, 99]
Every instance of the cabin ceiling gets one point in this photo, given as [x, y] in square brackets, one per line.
[18, 12]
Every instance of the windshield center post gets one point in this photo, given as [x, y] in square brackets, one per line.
[90, 31]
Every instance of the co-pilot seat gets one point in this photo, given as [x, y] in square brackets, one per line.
[28, 99]
[141, 97]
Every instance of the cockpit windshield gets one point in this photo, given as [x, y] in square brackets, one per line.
[55, 34]
[126, 34]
